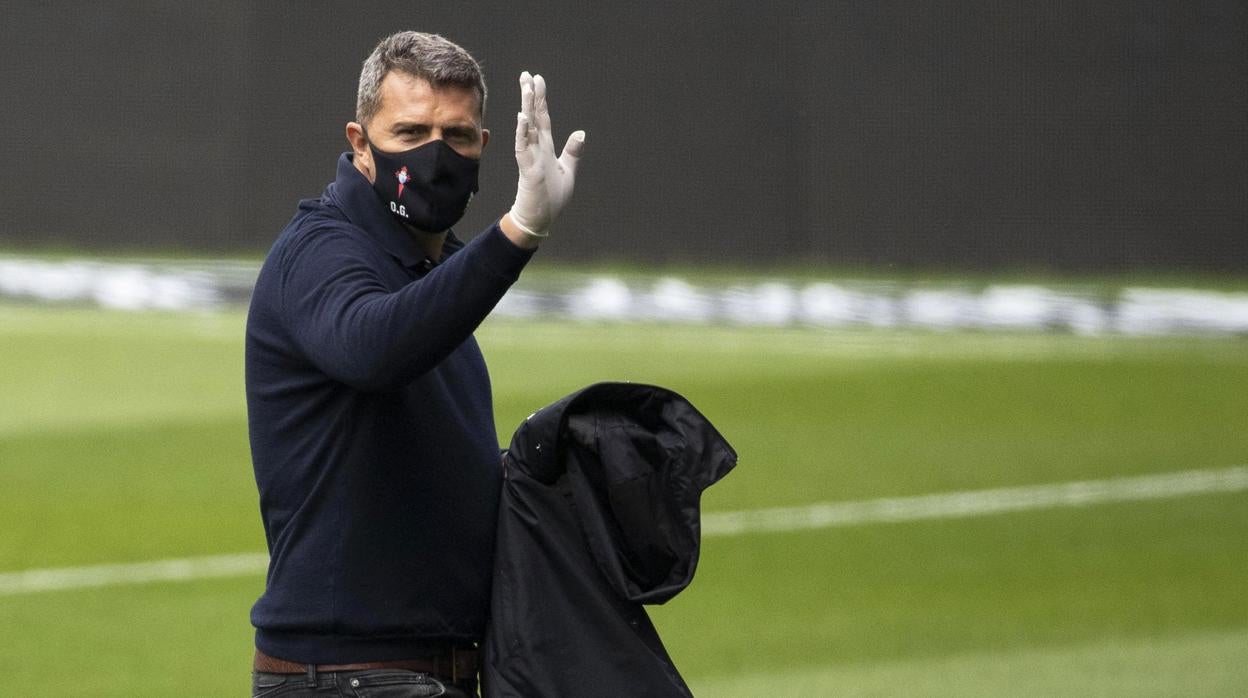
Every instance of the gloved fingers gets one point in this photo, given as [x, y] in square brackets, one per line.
[526, 131]
[526, 94]
[541, 114]
[572, 151]
[524, 136]
[541, 110]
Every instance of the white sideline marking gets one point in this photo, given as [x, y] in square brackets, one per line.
[976, 502]
[815, 516]
[173, 570]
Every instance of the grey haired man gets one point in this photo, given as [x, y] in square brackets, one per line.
[369, 405]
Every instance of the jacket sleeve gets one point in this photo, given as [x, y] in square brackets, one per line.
[343, 319]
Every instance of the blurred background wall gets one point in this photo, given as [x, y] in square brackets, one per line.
[967, 135]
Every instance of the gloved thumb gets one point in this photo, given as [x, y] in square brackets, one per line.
[572, 151]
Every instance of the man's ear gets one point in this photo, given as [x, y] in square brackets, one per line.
[485, 137]
[362, 157]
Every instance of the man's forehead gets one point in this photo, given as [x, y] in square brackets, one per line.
[407, 97]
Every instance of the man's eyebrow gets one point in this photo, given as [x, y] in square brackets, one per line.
[466, 128]
[460, 130]
[407, 126]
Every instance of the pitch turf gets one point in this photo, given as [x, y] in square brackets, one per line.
[122, 438]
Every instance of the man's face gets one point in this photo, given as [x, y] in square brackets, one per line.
[413, 113]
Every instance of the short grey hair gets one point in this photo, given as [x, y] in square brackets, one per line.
[427, 56]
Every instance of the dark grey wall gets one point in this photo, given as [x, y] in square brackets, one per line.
[1046, 135]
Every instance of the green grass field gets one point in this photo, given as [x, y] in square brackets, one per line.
[123, 439]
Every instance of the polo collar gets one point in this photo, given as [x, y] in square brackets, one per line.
[354, 196]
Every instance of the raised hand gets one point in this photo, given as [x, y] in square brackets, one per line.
[546, 182]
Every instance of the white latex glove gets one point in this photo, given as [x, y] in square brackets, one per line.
[545, 182]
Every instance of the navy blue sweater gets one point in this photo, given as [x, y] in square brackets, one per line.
[372, 431]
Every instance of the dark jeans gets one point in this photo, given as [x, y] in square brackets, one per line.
[373, 683]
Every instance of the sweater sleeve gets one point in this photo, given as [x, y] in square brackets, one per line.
[345, 321]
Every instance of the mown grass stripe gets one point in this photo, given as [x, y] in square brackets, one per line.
[816, 516]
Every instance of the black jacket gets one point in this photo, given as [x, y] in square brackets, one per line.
[599, 515]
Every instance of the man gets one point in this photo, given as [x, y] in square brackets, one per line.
[369, 405]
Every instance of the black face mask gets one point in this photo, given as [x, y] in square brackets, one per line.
[428, 186]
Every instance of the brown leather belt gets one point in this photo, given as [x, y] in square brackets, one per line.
[456, 664]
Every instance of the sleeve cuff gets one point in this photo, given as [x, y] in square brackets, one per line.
[501, 255]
